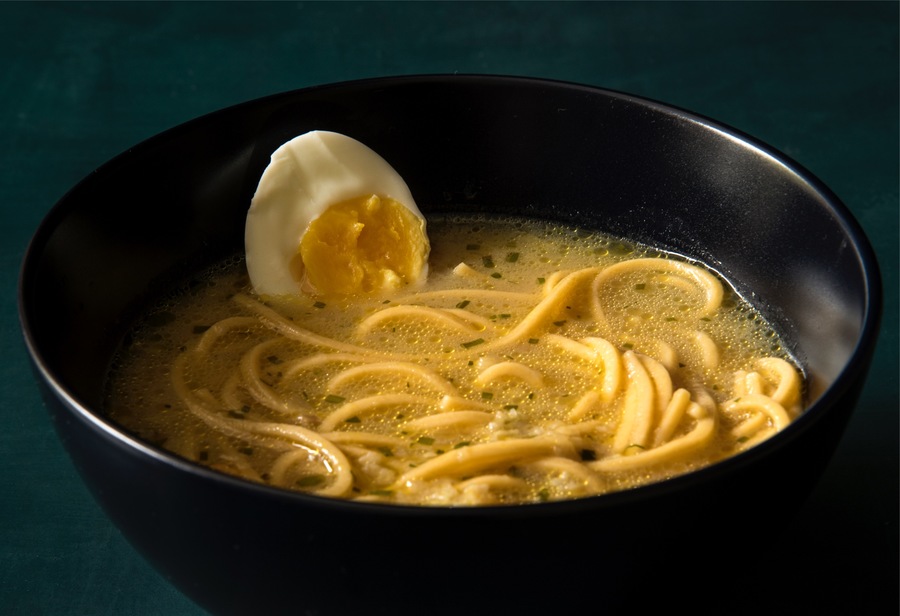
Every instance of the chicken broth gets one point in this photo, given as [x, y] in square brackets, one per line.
[538, 362]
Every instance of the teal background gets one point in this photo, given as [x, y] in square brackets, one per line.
[81, 82]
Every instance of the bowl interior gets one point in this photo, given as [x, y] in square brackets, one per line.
[598, 159]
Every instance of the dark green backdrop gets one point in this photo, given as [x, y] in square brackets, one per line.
[82, 82]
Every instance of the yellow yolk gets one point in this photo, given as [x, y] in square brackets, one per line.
[363, 245]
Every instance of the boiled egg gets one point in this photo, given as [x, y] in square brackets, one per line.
[332, 217]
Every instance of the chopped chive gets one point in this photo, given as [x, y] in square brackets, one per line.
[541, 280]
[274, 359]
[743, 439]
[386, 451]
[504, 315]
[640, 286]
[353, 419]
[497, 275]
[588, 455]
[512, 257]
[486, 395]
[247, 451]
[236, 415]
[487, 261]
[671, 319]
[310, 481]
[463, 303]
[559, 323]
[544, 495]
[472, 343]
[532, 341]
[511, 407]
[319, 305]
[628, 346]
[461, 444]
[425, 440]
[333, 399]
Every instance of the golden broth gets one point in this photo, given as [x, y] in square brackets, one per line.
[538, 363]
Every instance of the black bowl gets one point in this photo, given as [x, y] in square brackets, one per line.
[596, 158]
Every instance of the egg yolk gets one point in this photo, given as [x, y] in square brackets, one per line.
[363, 245]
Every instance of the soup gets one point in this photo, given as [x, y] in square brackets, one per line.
[539, 362]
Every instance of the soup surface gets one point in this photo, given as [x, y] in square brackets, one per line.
[538, 362]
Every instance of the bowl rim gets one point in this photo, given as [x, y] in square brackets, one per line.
[844, 381]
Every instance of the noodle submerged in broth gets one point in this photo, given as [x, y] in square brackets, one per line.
[537, 363]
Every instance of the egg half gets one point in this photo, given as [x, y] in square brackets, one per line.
[332, 217]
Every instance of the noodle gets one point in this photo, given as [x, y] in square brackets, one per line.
[552, 377]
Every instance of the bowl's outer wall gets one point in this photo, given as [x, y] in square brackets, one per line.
[508, 146]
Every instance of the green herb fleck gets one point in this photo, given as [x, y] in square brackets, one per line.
[425, 440]
[497, 275]
[386, 451]
[319, 305]
[333, 399]
[472, 343]
[640, 286]
[461, 444]
[532, 341]
[559, 323]
[512, 257]
[310, 481]
[353, 419]
[463, 303]
[588, 455]
[486, 395]
[487, 261]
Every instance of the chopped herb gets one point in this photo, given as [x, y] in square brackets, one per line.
[671, 319]
[486, 395]
[559, 323]
[743, 439]
[588, 455]
[386, 451]
[461, 444]
[532, 341]
[319, 305]
[544, 495]
[487, 261]
[236, 415]
[512, 257]
[541, 280]
[274, 359]
[353, 419]
[472, 343]
[640, 286]
[628, 346]
[463, 303]
[425, 440]
[511, 407]
[333, 399]
[310, 481]
[497, 275]
[471, 363]
[247, 451]
[705, 319]
[504, 315]
[380, 492]
[387, 301]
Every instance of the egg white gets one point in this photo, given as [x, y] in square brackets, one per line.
[304, 177]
